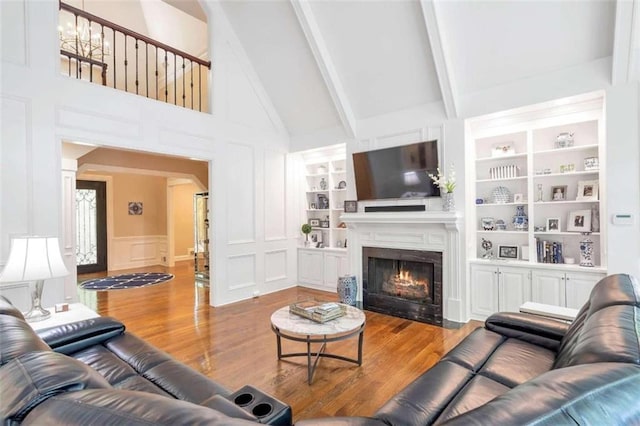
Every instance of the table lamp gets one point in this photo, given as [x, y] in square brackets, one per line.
[34, 259]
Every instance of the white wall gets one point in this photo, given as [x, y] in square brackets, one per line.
[41, 108]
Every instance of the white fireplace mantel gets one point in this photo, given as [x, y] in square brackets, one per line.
[433, 231]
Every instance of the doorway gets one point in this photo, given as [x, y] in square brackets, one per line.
[91, 226]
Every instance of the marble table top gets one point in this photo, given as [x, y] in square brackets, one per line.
[292, 323]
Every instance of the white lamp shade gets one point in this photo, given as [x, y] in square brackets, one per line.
[33, 258]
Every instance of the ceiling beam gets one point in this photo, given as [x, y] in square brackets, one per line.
[627, 28]
[327, 69]
[442, 64]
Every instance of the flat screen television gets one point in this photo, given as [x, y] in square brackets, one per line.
[398, 172]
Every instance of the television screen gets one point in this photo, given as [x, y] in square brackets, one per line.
[398, 172]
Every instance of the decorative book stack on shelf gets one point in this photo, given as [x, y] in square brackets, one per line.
[318, 311]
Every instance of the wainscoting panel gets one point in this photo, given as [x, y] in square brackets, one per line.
[242, 271]
[186, 141]
[275, 186]
[13, 32]
[241, 216]
[275, 265]
[137, 252]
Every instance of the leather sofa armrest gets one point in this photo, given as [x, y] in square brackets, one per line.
[75, 336]
[223, 405]
[537, 330]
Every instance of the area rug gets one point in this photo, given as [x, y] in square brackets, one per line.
[117, 282]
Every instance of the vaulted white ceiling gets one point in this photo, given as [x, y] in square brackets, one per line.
[328, 64]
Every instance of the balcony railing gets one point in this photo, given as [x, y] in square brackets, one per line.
[97, 50]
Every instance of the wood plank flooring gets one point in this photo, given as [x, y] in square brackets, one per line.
[235, 346]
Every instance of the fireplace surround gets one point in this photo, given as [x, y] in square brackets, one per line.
[403, 283]
[435, 231]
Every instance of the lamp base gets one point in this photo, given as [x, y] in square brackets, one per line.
[37, 312]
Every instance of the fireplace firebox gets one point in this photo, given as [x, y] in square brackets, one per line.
[403, 283]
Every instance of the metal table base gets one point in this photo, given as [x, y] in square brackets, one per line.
[321, 353]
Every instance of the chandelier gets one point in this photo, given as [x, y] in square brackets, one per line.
[83, 40]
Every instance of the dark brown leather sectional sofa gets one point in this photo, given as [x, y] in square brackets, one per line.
[520, 369]
[93, 372]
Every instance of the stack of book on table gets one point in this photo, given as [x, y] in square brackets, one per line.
[318, 311]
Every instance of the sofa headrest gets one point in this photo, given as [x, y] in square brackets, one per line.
[618, 289]
[32, 378]
[17, 338]
[611, 334]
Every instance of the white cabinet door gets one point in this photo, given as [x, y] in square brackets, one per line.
[310, 267]
[514, 288]
[548, 287]
[484, 290]
[578, 288]
[332, 269]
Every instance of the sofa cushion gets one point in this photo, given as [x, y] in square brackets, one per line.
[17, 338]
[475, 349]
[31, 378]
[425, 398]
[6, 308]
[590, 394]
[515, 362]
[477, 392]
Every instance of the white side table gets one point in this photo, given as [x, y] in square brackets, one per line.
[76, 312]
[550, 311]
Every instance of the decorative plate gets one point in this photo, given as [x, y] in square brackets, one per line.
[501, 195]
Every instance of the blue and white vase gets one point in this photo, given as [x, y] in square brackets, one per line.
[520, 220]
[348, 289]
[586, 251]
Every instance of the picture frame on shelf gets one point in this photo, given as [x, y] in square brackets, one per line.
[324, 224]
[554, 224]
[323, 202]
[314, 222]
[579, 221]
[508, 252]
[587, 190]
[559, 193]
[316, 238]
[524, 252]
[591, 163]
[351, 206]
[518, 198]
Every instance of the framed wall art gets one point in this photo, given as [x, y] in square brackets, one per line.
[135, 208]
[553, 224]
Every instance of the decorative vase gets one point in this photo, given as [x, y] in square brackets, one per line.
[520, 220]
[323, 184]
[347, 289]
[448, 202]
[586, 251]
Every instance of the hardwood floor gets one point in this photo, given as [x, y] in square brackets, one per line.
[234, 344]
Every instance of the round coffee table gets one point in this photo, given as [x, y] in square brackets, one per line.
[298, 329]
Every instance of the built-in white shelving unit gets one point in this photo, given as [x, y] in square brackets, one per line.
[325, 183]
[530, 140]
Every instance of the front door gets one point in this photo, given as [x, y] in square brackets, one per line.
[91, 226]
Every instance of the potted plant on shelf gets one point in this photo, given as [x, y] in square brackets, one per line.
[447, 185]
[306, 229]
